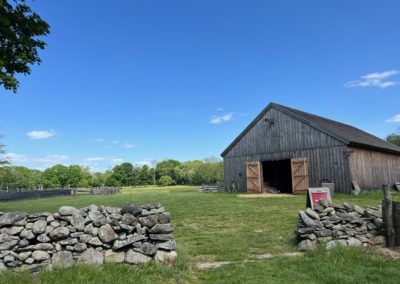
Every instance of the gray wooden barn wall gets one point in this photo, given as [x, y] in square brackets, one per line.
[289, 138]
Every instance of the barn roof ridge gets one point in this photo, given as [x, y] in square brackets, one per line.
[345, 133]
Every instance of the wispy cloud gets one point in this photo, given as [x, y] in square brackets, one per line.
[94, 159]
[117, 161]
[219, 109]
[36, 162]
[375, 80]
[129, 146]
[115, 141]
[217, 119]
[395, 118]
[40, 134]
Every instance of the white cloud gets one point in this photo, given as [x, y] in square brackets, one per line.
[395, 118]
[115, 141]
[220, 109]
[117, 161]
[374, 80]
[217, 119]
[94, 159]
[129, 146]
[40, 134]
[35, 162]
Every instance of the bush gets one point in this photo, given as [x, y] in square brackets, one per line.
[165, 181]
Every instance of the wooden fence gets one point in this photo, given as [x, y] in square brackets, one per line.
[211, 188]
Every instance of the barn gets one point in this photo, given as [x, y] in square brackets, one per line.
[290, 150]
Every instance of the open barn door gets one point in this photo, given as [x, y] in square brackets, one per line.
[300, 177]
[254, 177]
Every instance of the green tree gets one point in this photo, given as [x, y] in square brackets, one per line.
[394, 138]
[168, 168]
[165, 181]
[2, 152]
[20, 28]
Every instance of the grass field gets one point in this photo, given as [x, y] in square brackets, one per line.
[222, 227]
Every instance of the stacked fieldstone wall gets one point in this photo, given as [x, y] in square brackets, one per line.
[340, 225]
[92, 235]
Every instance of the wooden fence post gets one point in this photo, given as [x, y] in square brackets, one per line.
[387, 210]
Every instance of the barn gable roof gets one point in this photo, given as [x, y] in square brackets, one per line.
[345, 133]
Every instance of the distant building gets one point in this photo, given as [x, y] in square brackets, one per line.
[291, 150]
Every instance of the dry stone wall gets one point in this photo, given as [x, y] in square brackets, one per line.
[340, 225]
[92, 235]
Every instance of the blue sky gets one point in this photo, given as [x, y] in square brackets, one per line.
[148, 80]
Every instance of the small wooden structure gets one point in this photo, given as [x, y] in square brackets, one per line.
[211, 188]
[290, 150]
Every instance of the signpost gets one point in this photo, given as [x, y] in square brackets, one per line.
[317, 193]
[397, 185]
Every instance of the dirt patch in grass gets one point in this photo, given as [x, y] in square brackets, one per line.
[395, 254]
[265, 195]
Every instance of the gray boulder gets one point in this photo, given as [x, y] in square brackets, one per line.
[147, 249]
[162, 229]
[160, 237]
[97, 218]
[168, 245]
[148, 221]
[80, 247]
[129, 219]
[112, 256]
[40, 255]
[39, 227]
[120, 244]
[131, 209]
[14, 230]
[43, 238]
[133, 257]
[307, 220]
[9, 219]
[312, 214]
[62, 260]
[67, 211]
[78, 222]
[164, 218]
[306, 245]
[91, 257]
[167, 258]
[107, 234]
[59, 233]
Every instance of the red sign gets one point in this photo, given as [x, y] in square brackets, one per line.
[316, 194]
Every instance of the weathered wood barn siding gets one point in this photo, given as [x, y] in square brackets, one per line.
[370, 169]
[287, 138]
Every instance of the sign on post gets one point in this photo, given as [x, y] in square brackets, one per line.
[317, 193]
[397, 185]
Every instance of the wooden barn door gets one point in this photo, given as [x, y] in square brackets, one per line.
[254, 177]
[300, 178]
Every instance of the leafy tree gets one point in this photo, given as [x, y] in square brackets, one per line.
[394, 138]
[2, 151]
[165, 181]
[20, 28]
[168, 168]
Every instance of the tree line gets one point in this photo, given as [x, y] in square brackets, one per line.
[168, 172]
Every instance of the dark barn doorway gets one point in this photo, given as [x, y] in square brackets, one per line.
[277, 175]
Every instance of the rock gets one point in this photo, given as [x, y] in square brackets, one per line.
[323, 202]
[9, 258]
[59, 233]
[120, 244]
[2, 267]
[85, 238]
[78, 222]
[24, 255]
[23, 243]
[164, 218]
[152, 212]
[68, 241]
[94, 241]
[9, 219]
[379, 240]
[147, 249]
[14, 230]
[161, 237]
[40, 255]
[378, 222]
[127, 228]
[348, 207]
[370, 213]
[46, 247]
[97, 218]
[131, 209]
[55, 224]
[328, 210]
[27, 234]
[89, 229]
[334, 218]
[306, 220]
[323, 233]
[91, 257]
[67, 211]
[112, 256]
[62, 260]
[107, 234]
[129, 219]
[169, 245]
[353, 242]
[332, 244]
[29, 260]
[33, 268]
[7, 245]
[93, 208]
[162, 229]
[133, 257]
[358, 209]
[148, 221]
[43, 238]
[39, 227]
[80, 247]
[167, 258]
[306, 245]
[311, 213]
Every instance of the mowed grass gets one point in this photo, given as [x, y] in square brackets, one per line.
[222, 227]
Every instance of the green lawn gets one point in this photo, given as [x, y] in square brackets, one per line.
[223, 227]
